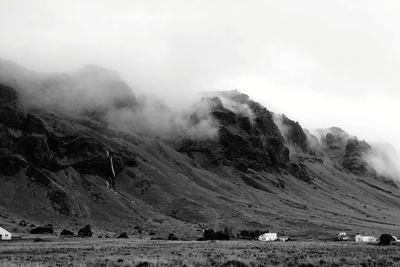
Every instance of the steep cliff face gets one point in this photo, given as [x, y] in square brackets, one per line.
[41, 147]
[55, 165]
[245, 142]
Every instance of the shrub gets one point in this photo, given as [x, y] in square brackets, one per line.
[143, 264]
[386, 240]
[66, 232]
[42, 230]
[210, 234]
[123, 235]
[251, 234]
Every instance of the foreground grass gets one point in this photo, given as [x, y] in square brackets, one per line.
[106, 252]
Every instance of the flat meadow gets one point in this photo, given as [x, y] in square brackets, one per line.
[131, 252]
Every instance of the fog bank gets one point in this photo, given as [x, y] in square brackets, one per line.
[322, 63]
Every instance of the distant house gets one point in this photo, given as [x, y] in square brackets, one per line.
[4, 235]
[268, 237]
[365, 239]
[343, 237]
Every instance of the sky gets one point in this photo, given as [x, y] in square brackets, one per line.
[322, 63]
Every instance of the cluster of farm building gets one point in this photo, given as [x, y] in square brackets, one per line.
[209, 234]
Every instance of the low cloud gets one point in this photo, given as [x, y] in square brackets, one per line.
[384, 159]
[153, 117]
[101, 94]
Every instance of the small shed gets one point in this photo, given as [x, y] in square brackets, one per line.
[4, 234]
[268, 237]
[283, 238]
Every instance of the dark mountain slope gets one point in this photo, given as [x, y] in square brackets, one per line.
[55, 168]
[241, 143]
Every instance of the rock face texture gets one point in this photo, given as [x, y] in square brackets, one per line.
[41, 152]
[293, 133]
[245, 143]
[258, 171]
[353, 157]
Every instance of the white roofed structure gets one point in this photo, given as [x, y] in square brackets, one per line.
[4, 234]
[365, 239]
[268, 237]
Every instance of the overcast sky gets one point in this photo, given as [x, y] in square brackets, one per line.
[322, 63]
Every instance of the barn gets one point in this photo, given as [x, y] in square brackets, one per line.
[4, 234]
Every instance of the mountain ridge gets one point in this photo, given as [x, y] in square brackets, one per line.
[252, 170]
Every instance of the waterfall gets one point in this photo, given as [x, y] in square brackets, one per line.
[111, 180]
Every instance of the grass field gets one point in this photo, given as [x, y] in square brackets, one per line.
[129, 252]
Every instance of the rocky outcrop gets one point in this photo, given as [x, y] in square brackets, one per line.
[243, 142]
[293, 133]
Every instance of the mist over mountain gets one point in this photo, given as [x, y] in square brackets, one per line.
[223, 160]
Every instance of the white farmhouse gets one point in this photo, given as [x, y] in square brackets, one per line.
[268, 237]
[365, 239]
[4, 235]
